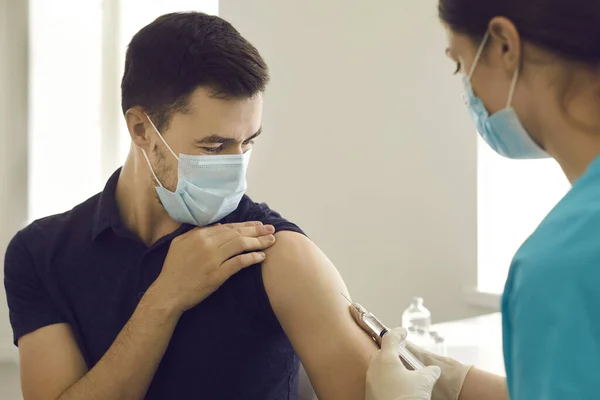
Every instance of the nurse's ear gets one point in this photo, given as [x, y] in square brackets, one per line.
[139, 128]
[506, 43]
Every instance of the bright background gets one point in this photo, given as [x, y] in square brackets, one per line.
[367, 144]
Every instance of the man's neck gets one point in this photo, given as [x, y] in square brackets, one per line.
[138, 207]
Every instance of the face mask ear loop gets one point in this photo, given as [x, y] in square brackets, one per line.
[150, 166]
[479, 53]
[513, 85]
[162, 138]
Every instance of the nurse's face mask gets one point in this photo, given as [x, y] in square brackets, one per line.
[502, 131]
[209, 187]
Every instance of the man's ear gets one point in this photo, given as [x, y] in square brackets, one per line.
[138, 127]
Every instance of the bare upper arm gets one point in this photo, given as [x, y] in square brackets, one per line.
[305, 292]
[50, 362]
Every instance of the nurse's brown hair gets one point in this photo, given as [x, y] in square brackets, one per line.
[568, 28]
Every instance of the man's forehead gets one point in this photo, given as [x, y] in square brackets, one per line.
[206, 99]
[219, 119]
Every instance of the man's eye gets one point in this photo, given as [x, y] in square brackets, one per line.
[212, 149]
[248, 143]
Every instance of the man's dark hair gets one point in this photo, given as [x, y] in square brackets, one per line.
[180, 52]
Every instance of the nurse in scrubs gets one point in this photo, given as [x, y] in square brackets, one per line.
[531, 71]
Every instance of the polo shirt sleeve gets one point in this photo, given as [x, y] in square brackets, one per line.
[261, 212]
[30, 305]
[249, 285]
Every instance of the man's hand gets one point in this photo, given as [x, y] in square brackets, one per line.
[201, 260]
[388, 378]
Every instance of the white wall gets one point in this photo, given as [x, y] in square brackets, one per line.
[368, 145]
[13, 140]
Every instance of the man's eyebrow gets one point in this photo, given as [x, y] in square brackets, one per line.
[257, 134]
[212, 139]
[215, 139]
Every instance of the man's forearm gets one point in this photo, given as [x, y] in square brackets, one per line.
[483, 385]
[127, 368]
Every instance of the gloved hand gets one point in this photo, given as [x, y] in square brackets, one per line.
[388, 378]
[450, 384]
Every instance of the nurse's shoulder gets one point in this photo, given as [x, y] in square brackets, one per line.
[550, 305]
[568, 239]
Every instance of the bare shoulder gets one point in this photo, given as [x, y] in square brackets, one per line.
[291, 243]
[295, 268]
[305, 291]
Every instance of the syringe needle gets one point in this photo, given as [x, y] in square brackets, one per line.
[346, 297]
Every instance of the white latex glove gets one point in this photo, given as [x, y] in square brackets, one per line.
[450, 384]
[388, 378]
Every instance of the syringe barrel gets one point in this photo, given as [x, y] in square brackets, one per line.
[377, 329]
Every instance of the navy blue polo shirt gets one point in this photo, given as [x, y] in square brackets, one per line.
[86, 269]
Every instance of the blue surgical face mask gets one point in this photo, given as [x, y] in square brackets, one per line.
[502, 131]
[208, 187]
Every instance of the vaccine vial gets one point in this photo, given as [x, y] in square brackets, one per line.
[416, 319]
[416, 316]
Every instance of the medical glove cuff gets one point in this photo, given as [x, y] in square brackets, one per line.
[450, 383]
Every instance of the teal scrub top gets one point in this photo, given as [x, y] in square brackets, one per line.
[551, 302]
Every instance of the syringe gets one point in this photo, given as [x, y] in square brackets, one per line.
[376, 329]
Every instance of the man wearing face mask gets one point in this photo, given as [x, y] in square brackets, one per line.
[532, 82]
[136, 293]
